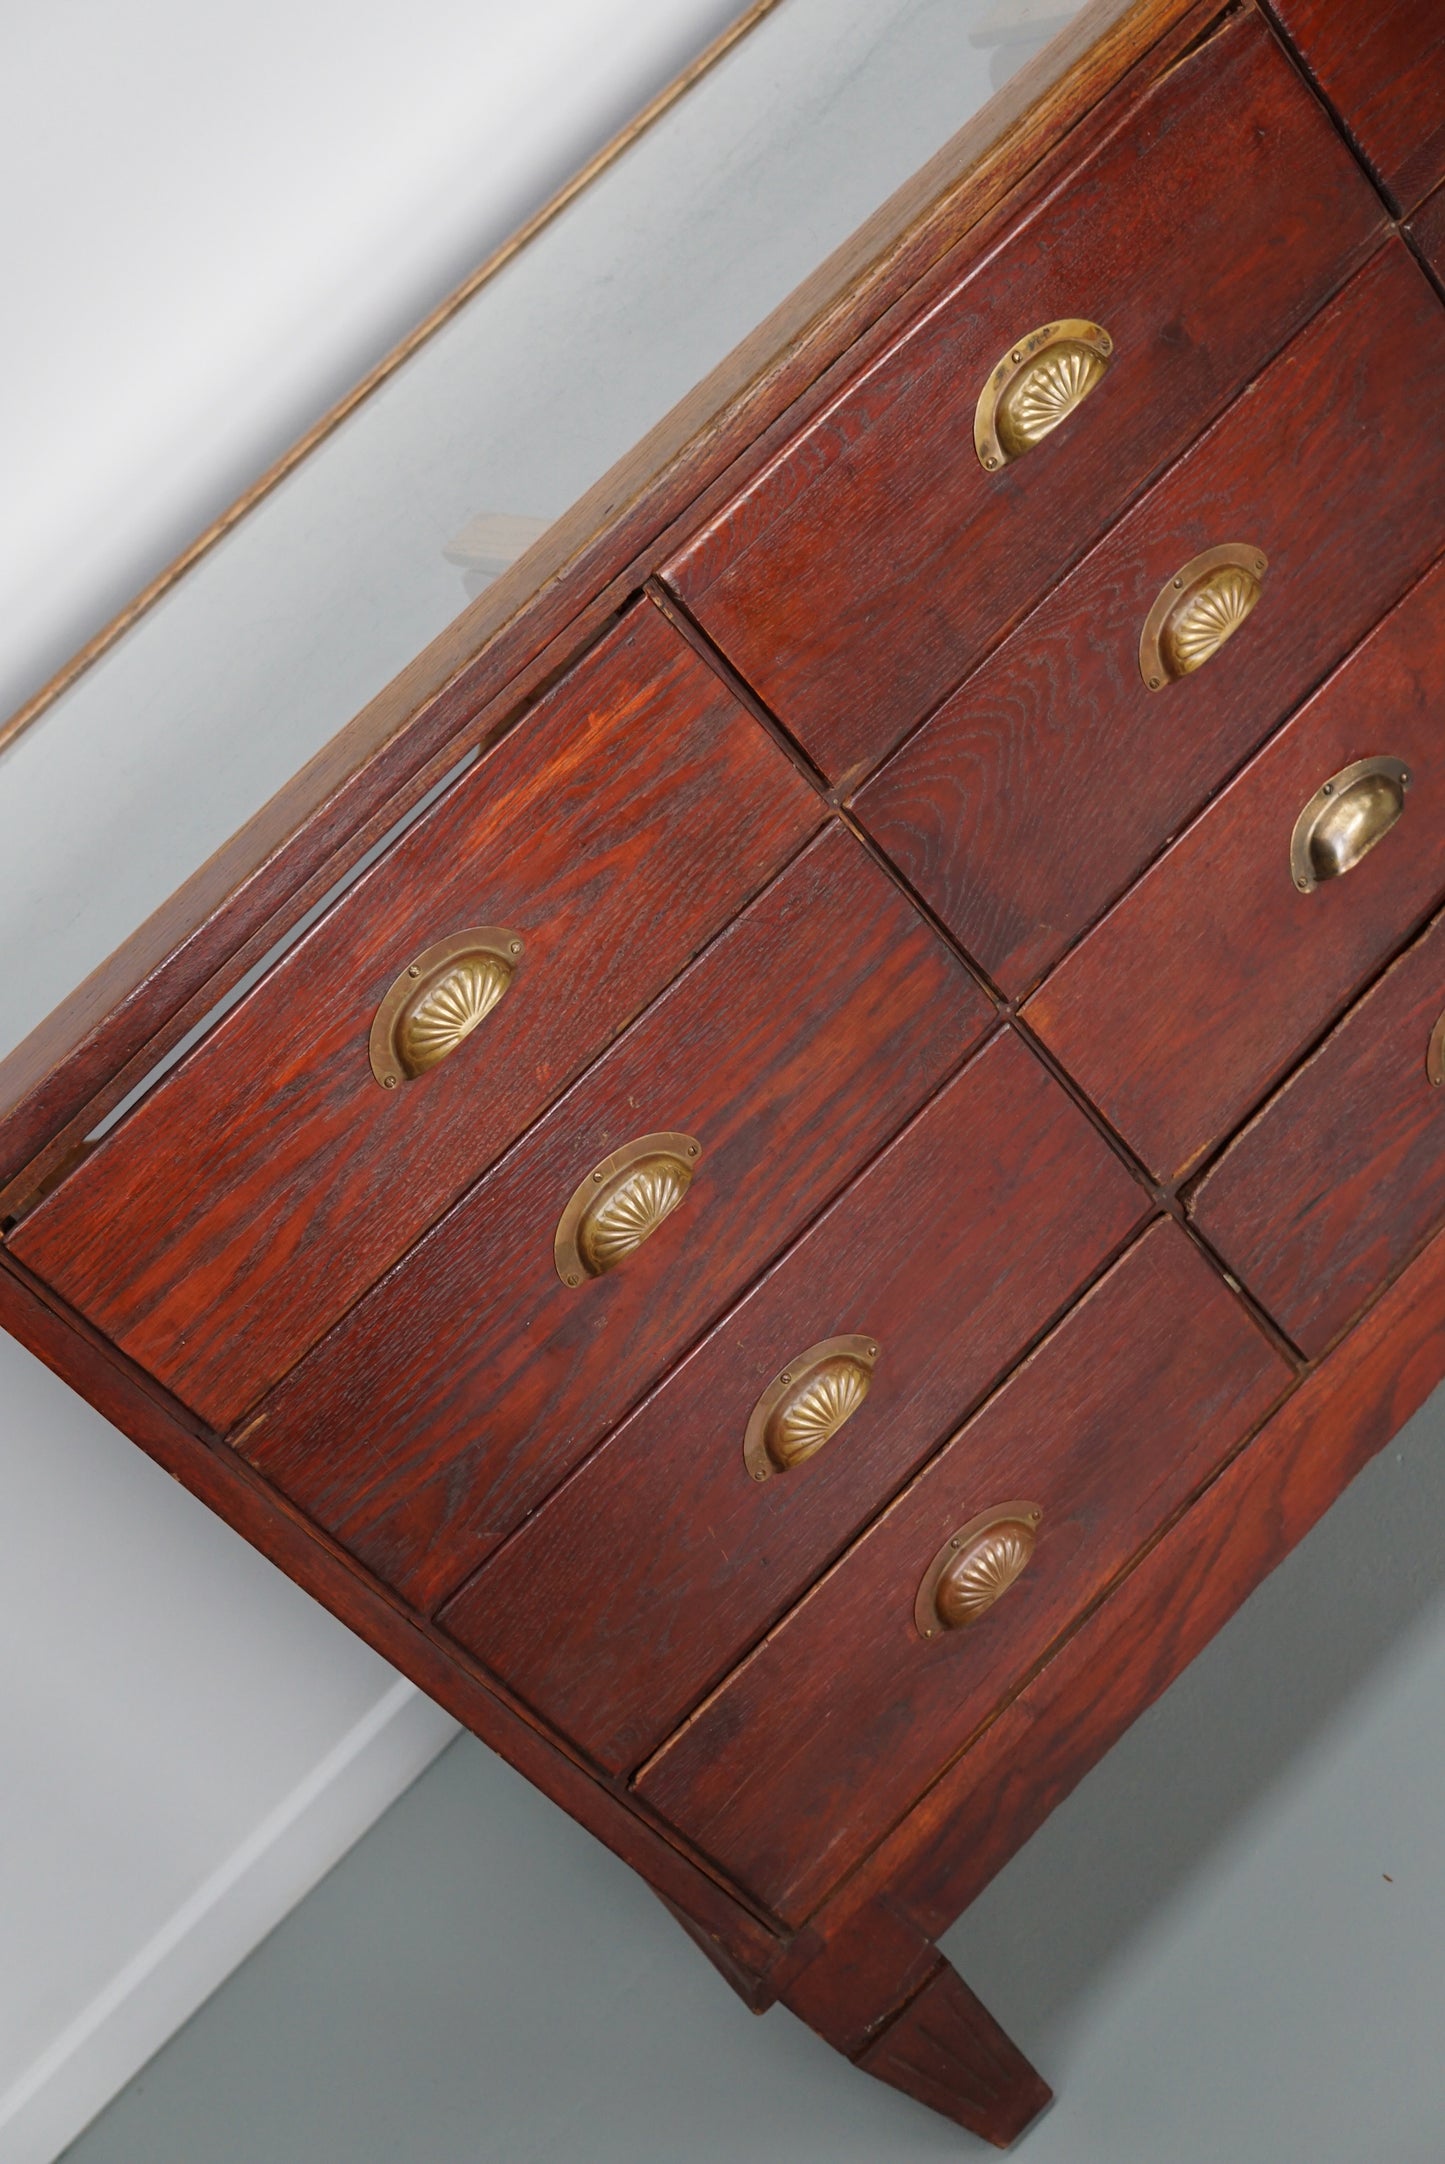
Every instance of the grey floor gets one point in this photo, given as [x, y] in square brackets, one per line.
[1228, 1945]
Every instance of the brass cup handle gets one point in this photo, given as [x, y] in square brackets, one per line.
[975, 1567]
[1038, 384]
[439, 999]
[621, 1203]
[805, 1405]
[1344, 819]
[1199, 610]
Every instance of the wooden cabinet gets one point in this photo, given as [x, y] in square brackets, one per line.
[1054, 774]
[786, 1057]
[1061, 1479]
[877, 557]
[1218, 970]
[1381, 69]
[791, 1183]
[921, 1285]
[272, 1177]
[1342, 1175]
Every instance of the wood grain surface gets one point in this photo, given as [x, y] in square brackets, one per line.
[946, 2050]
[953, 1251]
[857, 579]
[1381, 65]
[1047, 783]
[1205, 984]
[1188, 1586]
[812, 1750]
[1342, 1175]
[261, 1187]
[449, 1402]
[474, 680]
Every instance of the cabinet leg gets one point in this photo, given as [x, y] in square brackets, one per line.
[883, 1994]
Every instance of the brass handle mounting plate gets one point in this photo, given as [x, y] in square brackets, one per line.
[975, 1567]
[804, 1407]
[1038, 383]
[1345, 818]
[1199, 610]
[622, 1202]
[439, 999]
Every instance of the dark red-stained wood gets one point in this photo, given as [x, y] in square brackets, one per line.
[267, 1182]
[1342, 1175]
[861, 574]
[880, 1992]
[1196, 994]
[473, 680]
[457, 1394]
[955, 1250]
[823, 1739]
[228, 1486]
[1052, 777]
[1153, 1625]
[946, 2050]
[1381, 65]
[1427, 229]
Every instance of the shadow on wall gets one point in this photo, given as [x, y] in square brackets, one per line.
[1283, 1671]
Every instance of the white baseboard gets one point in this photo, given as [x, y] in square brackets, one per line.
[212, 1932]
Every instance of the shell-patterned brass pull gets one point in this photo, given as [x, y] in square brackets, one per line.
[1344, 819]
[439, 999]
[1199, 610]
[1038, 383]
[622, 1202]
[975, 1567]
[804, 1407]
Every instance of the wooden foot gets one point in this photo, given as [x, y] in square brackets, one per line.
[881, 1993]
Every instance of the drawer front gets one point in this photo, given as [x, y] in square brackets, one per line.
[1042, 789]
[447, 1404]
[272, 1178]
[953, 1252]
[875, 559]
[1212, 977]
[1342, 1176]
[841, 1718]
[1381, 64]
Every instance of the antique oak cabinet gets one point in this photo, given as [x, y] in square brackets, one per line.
[800, 1239]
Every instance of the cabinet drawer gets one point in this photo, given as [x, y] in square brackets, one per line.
[272, 1178]
[1342, 1175]
[1381, 64]
[451, 1399]
[1042, 789]
[952, 1253]
[1211, 978]
[875, 559]
[841, 1718]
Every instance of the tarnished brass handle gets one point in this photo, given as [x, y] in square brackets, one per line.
[1199, 610]
[975, 1567]
[439, 999]
[1344, 819]
[622, 1202]
[1038, 383]
[804, 1407]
